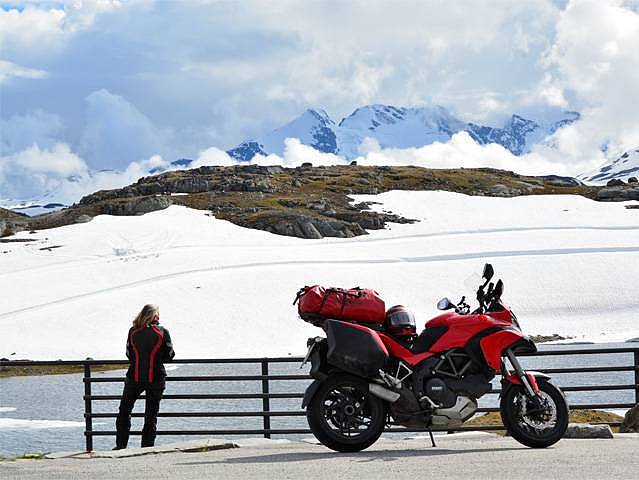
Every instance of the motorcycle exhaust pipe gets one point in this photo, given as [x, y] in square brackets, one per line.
[383, 393]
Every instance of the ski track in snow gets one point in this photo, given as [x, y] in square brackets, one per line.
[427, 259]
[486, 231]
[97, 259]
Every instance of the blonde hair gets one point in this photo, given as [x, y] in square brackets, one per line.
[146, 316]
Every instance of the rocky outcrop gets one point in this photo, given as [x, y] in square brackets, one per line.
[631, 421]
[500, 190]
[586, 430]
[197, 181]
[83, 219]
[618, 194]
[11, 222]
[548, 338]
[305, 202]
[305, 226]
[136, 206]
[615, 182]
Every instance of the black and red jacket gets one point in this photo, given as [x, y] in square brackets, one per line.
[148, 348]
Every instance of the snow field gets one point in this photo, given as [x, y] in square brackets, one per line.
[570, 266]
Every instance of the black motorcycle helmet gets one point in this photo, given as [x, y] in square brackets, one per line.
[400, 321]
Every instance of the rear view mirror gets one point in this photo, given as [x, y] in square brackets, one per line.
[444, 304]
[499, 290]
[488, 272]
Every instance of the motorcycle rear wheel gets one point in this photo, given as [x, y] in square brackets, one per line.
[536, 429]
[344, 416]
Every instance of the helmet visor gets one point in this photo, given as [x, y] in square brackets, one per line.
[402, 318]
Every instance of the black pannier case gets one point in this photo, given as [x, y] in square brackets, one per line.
[355, 350]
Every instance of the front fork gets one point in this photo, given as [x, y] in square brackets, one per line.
[528, 381]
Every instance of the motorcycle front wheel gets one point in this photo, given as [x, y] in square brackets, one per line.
[344, 416]
[534, 427]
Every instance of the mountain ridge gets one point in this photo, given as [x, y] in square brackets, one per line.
[624, 167]
[396, 127]
[306, 201]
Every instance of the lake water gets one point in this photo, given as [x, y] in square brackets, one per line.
[45, 413]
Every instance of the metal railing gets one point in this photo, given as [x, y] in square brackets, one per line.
[265, 394]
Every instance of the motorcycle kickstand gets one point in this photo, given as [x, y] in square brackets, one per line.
[432, 439]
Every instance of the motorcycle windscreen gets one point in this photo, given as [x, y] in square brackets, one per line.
[355, 349]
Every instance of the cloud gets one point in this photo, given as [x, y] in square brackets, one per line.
[217, 73]
[30, 27]
[59, 160]
[461, 151]
[25, 30]
[34, 172]
[21, 131]
[10, 70]
[213, 156]
[597, 67]
[36, 164]
[56, 174]
[116, 133]
[123, 82]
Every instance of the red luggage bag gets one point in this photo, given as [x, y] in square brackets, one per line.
[356, 304]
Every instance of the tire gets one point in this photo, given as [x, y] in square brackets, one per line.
[536, 430]
[344, 416]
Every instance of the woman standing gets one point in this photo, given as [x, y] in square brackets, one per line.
[148, 347]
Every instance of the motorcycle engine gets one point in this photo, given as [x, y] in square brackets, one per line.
[437, 390]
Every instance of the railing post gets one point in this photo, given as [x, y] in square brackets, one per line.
[88, 419]
[637, 376]
[266, 407]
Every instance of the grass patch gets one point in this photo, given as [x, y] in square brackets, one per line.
[32, 370]
[576, 416]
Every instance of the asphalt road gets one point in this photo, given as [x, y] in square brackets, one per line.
[482, 456]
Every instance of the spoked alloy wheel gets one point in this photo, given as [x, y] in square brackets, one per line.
[535, 427]
[345, 416]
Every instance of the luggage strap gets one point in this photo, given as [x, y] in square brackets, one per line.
[345, 293]
[299, 294]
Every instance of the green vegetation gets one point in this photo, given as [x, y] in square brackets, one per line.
[26, 370]
[576, 416]
[9, 214]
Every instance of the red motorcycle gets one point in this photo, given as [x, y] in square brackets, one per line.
[373, 370]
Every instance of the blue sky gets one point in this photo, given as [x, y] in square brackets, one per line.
[115, 82]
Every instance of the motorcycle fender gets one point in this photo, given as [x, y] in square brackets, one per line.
[493, 345]
[310, 392]
[533, 378]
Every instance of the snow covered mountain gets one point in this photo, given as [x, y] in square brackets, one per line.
[519, 134]
[397, 127]
[623, 167]
[313, 128]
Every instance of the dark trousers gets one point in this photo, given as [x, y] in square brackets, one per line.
[132, 392]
